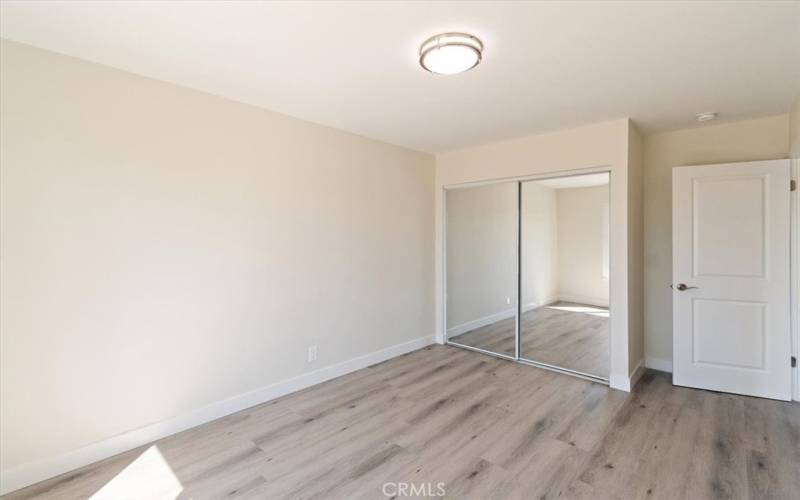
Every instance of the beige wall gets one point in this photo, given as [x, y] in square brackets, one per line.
[539, 266]
[794, 129]
[583, 149]
[481, 253]
[163, 249]
[562, 250]
[636, 292]
[581, 217]
[760, 139]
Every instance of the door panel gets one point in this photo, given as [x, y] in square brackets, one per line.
[718, 201]
[729, 333]
[481, 248]
[731, 324]
[564, 279]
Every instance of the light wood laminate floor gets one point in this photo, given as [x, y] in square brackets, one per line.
[564, 334]
[485, 427]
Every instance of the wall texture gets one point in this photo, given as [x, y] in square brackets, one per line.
[760, 139]
[170, 248]
[581, 217]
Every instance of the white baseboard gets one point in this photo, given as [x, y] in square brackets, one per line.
[627, 382]
[637, 373]
[480, 322]
[663, 365]
[580, 299]
[619, 382]
[488, 320]
[34, 472]
[533, 305]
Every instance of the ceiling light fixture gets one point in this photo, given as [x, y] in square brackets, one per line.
[450, 53]
[706, 116]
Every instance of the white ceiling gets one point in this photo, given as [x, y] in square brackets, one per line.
[353, 65]
[575, 181]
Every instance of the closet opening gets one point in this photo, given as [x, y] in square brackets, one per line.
[527, 271]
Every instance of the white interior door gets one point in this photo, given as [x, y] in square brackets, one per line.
[730, 269]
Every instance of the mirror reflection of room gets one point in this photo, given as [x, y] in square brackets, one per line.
[564, 272]
[481, 248]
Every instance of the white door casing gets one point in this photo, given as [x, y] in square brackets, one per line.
[730, 234]
[796, 275]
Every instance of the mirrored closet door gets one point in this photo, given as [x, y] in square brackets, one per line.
[564, 273]
[527, 271]
[481, 246]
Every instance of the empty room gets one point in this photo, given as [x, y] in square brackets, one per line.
[389, 249]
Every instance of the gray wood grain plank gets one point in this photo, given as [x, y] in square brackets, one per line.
[484, 427]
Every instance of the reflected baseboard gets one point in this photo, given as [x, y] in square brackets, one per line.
[581, 299]
[474, 324]
[487, 320]
[480, 322]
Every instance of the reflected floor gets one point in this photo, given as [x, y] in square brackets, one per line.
[565, 334]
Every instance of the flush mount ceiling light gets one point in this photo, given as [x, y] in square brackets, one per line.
[450, 53]
[706, 116]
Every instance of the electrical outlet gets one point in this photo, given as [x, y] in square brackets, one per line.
[312, 353]
[508, 301]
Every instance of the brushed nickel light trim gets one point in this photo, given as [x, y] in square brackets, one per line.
[450, 39]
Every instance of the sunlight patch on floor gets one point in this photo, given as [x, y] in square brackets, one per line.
[149, 476]
[593, 311]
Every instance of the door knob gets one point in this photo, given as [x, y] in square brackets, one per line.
[682, 287]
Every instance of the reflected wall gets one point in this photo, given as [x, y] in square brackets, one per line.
[527, 271]
[564, 268]
[481, 271]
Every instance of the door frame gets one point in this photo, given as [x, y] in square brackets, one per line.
[519, 179]
[794, 249]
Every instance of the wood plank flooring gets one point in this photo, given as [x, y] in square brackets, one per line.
[564, 334]
[485, 427]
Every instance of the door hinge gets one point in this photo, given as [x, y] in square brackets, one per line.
[794, 362]
[792, 185]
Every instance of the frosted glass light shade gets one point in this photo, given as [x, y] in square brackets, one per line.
[450, 53]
